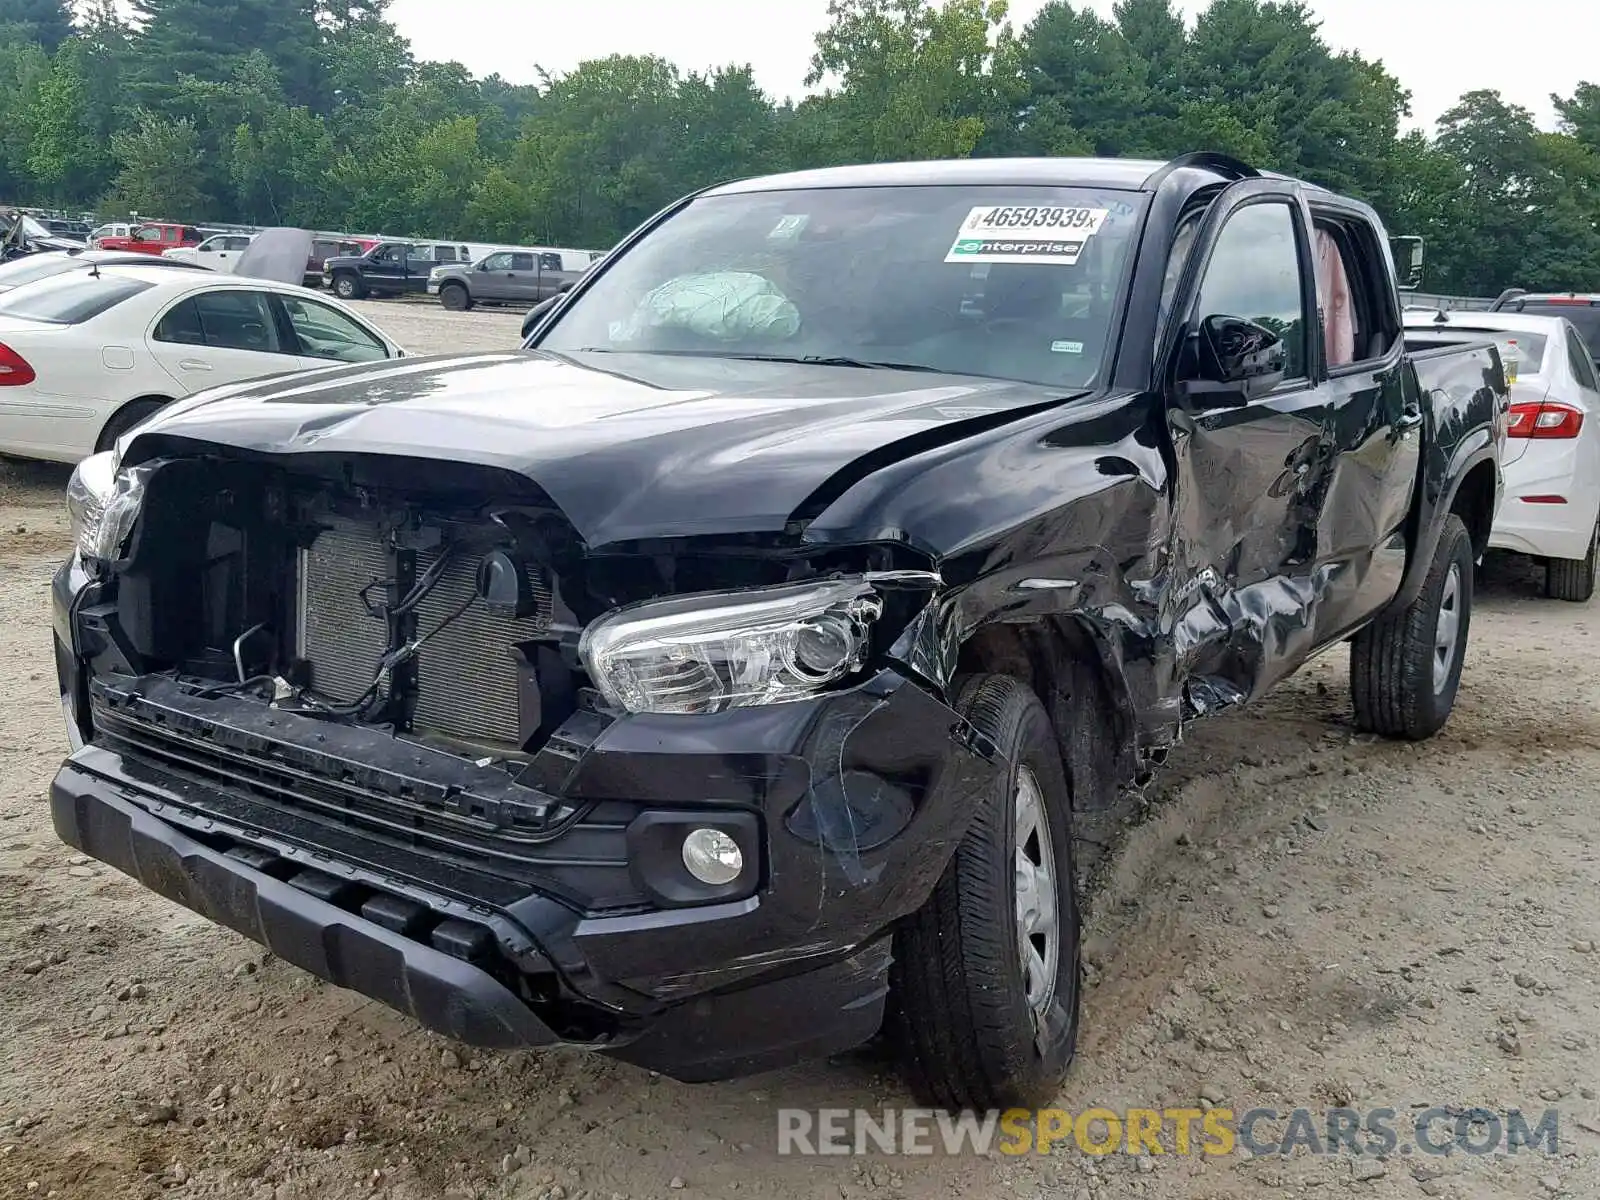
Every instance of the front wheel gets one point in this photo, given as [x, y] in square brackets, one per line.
[347, 287]
[985, 978]
[454, 297]
[1573, 578]
[1405, 668]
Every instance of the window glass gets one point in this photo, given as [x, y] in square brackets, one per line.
[524, 262]
[225, 320]
[189, 235]
[879, 274]
[1586, 317]
[238, 243]
[1530, 346]
[325, 332]
[497, 262]
[1254, 273]
[181, 324]
[1582, 363]
[148, 234]
[70, 299]
[547, 262]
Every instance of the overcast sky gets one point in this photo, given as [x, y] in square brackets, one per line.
[1437, 48]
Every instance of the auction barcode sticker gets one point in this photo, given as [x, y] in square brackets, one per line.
[998, 233]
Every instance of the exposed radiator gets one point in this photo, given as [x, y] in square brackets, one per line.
[466, 674]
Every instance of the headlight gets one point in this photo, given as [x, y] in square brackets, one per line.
[719, 650]
[103, 503]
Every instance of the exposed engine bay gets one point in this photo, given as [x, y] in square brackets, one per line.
[341, 596]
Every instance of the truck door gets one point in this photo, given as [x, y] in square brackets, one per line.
[385, 268]
[1248, 428]
[494, 278]
[1374, 415]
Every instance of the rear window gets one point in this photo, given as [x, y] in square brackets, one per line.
[1530, 346]
[1584, 317]
[70, 299]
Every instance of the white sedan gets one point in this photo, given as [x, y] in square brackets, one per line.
[1551, 508]
[86, 355]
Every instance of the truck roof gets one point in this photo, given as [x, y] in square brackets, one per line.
[1122, 174]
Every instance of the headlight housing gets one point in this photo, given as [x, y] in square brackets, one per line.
[103, 503]
[714, 651]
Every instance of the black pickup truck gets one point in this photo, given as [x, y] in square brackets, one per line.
[713, 681]
[387, 269]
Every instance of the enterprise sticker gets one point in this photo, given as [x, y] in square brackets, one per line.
[1022, 233]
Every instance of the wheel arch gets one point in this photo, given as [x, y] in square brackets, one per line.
[102, 438]
[1088, 702]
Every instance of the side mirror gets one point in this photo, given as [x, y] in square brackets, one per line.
[1408, 254]
[1234, 360]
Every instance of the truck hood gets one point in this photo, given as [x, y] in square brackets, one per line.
[627, 445]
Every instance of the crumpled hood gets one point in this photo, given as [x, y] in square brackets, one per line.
[629, 446]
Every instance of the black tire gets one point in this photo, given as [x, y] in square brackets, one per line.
[348, 286]
[454, 297]
[1573, 578]
[1393, 679]
[965, 1031]
[124, 419]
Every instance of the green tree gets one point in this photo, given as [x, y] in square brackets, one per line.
[279, 167]
[65, 158]
[47, 23]
[205, 39]
[158, 159]
[1088, 89]
[908, 80]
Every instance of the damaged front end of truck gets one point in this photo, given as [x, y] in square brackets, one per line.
[402, 723]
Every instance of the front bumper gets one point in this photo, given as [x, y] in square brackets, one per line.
[858, 798]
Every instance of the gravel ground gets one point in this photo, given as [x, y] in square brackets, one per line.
[1291, 915]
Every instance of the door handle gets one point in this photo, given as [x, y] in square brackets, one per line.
[193, 364]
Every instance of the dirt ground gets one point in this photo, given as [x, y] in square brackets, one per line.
[1290, 916]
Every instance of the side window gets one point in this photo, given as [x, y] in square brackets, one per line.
[524, 262]
[1582, 364]
[238, 243]
[182, 325]
[549, 262]
[1254, 273]
[238, 321]
[1182, 243]
[325, 332]
[497, 262]
[148, 235]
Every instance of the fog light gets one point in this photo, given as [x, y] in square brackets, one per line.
[712, 857]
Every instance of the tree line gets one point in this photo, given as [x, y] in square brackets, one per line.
[317, 113]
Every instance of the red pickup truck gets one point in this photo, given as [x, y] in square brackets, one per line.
[155, 237]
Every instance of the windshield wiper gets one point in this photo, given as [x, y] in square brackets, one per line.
[806, 360]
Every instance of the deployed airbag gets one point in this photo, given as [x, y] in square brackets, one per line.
[722, 305]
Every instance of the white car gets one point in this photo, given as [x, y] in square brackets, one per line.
[86, 355]
[220, 253]
[1551, 508]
